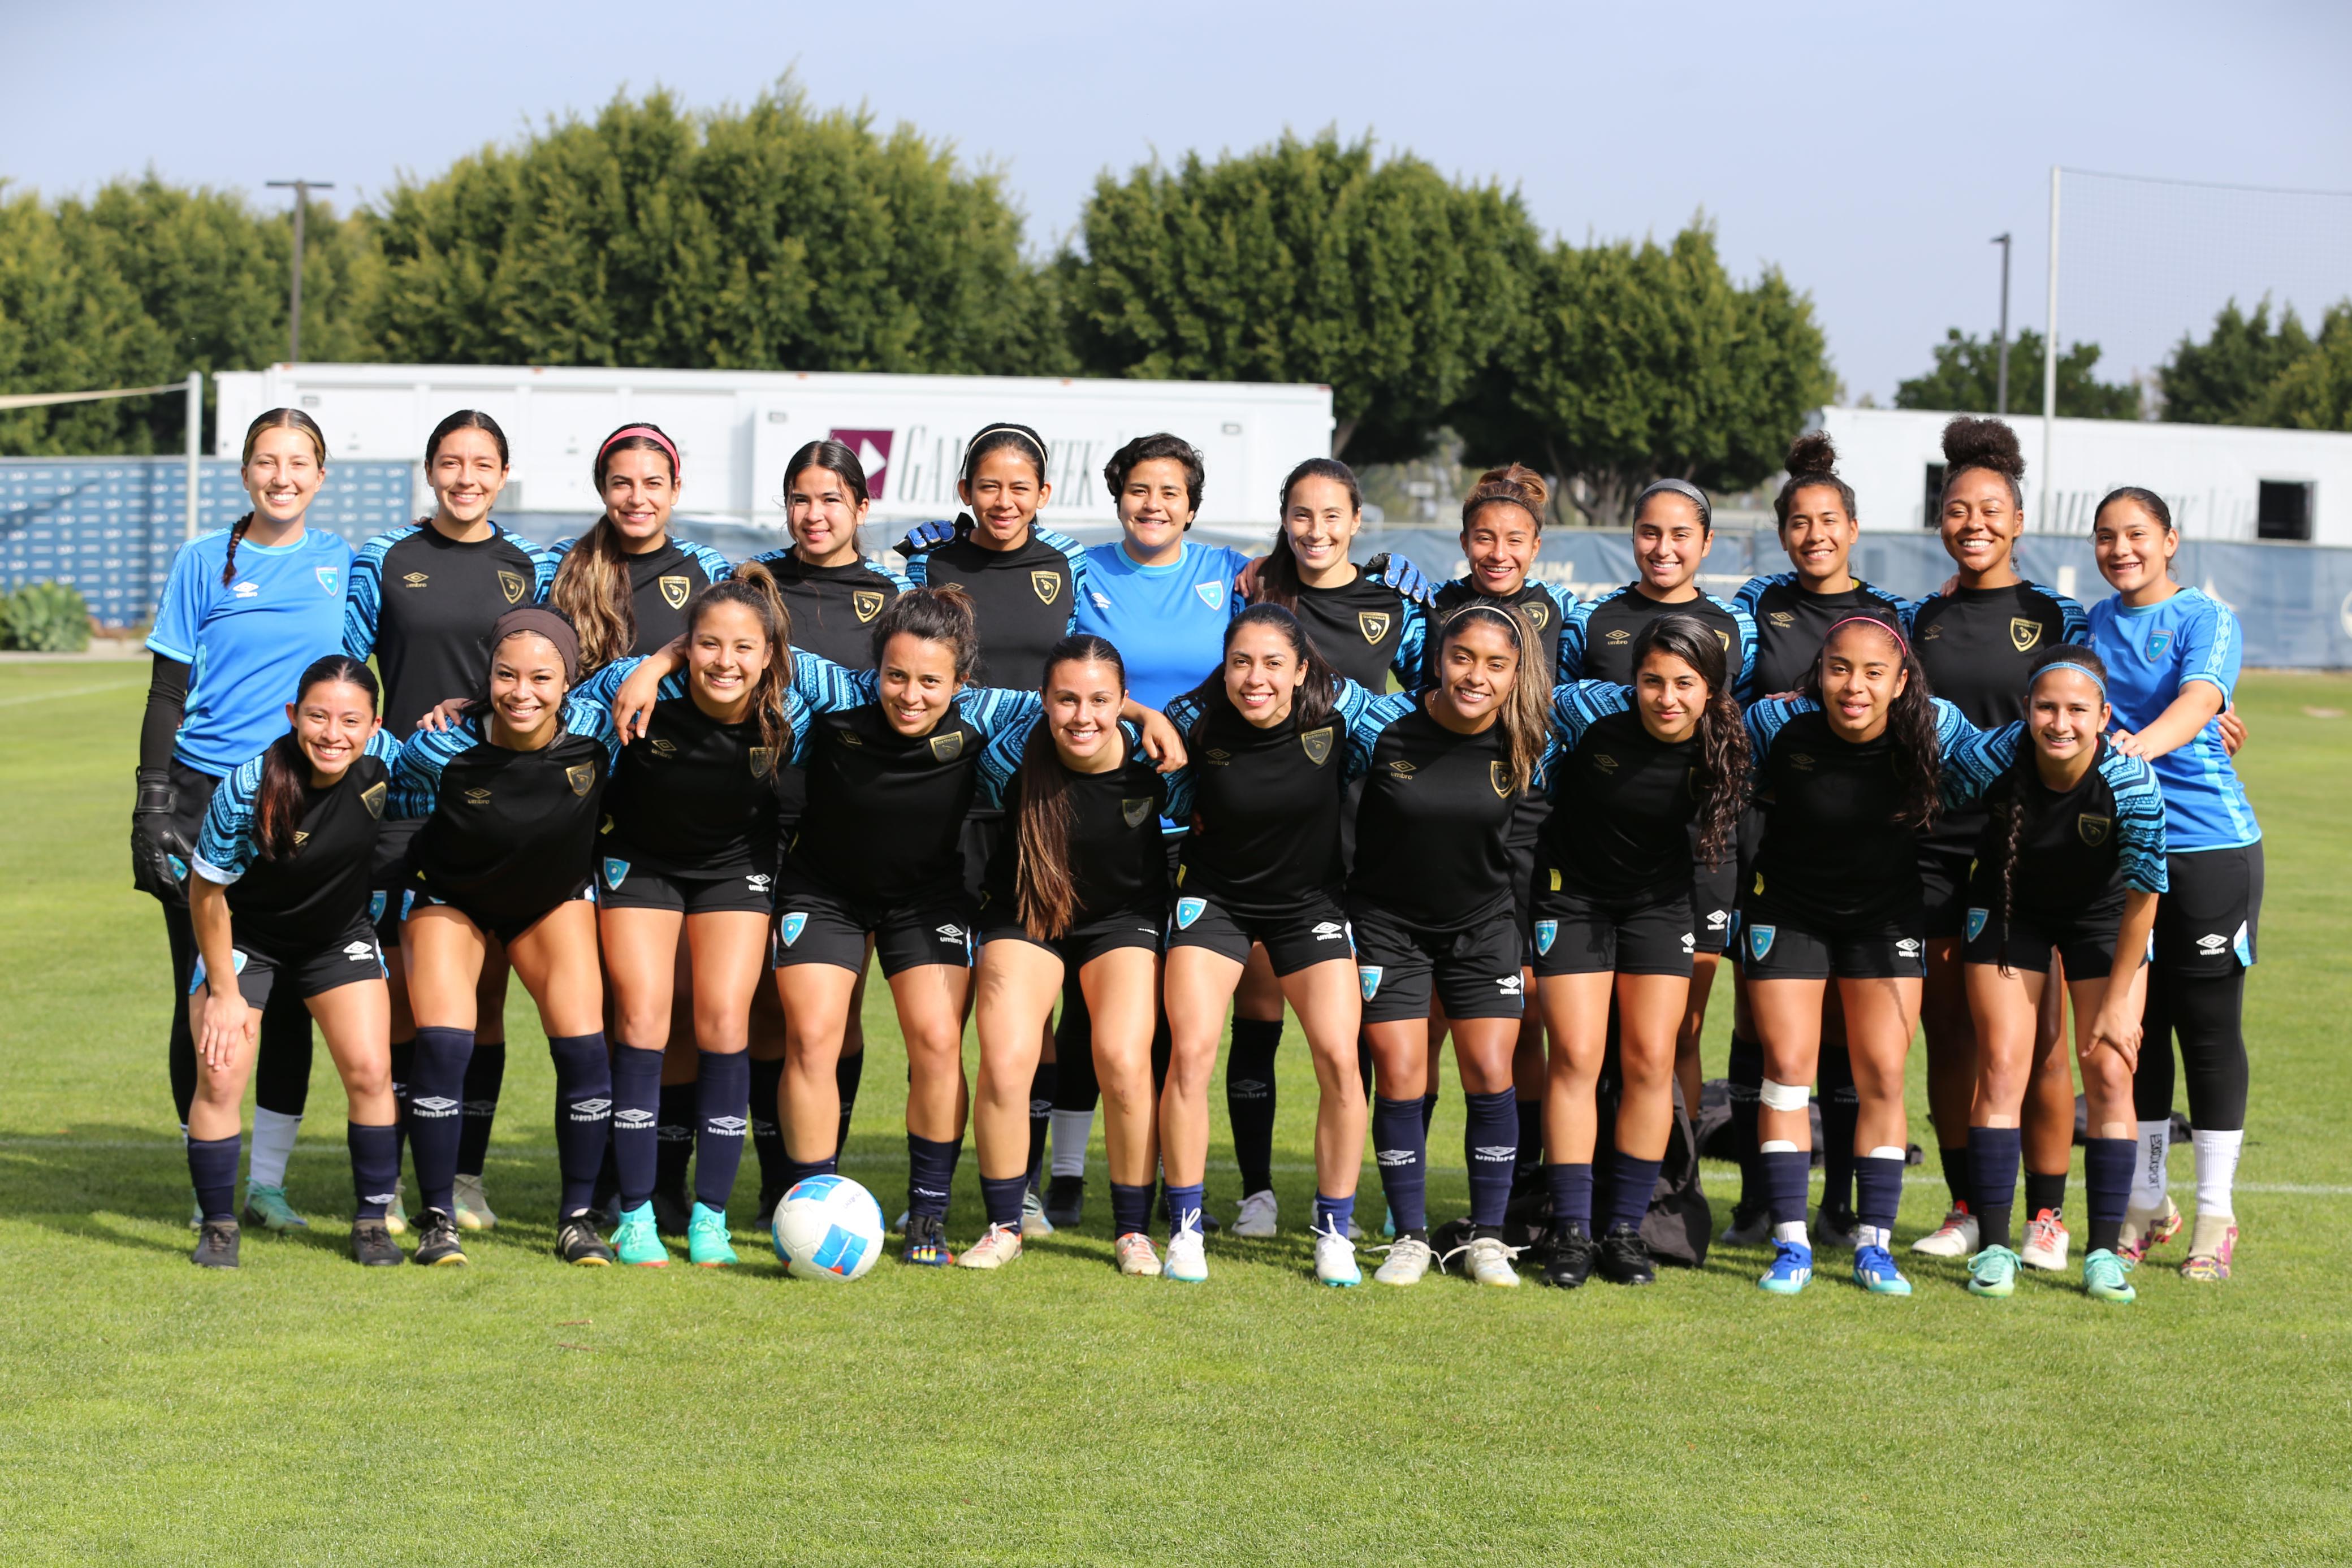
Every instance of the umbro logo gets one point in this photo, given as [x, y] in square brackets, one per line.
[759, 882]
[636, 1119]
[434, 1105]
[1908, 947]
[2211, 943]
[245, 589]
[1690, 944]
[1496, 1151]
[1781, 618]
[355, 951]
[386, 1198]
[1392, 1158]
[416, 580]
[950, 933]
[589, 1110]
[477, 796]
[1327, 931]
[726, 1126]
[1717, 919]
[1508, 985]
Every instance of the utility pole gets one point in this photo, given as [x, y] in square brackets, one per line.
[2001, 395]
[302, 189]
[2050, 368]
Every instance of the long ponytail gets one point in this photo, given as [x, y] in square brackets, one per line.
[273, 419]
[1045, 885]
[2006, 799]
[591, 587]
[1721, 784]
[285, 768]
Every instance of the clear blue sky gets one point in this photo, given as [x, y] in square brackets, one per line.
[1870, 149]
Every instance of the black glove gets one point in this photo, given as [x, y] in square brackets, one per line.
[159, 855]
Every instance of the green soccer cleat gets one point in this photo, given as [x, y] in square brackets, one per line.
[2102, 1279]
[638, 1239]
[707, 1245]
[1993, 1272]
[267, 1207]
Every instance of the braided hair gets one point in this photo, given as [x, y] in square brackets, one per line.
[275, 419]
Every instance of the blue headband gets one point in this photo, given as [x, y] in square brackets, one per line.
[2085, 670]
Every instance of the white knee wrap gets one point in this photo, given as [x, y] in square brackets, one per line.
[1784, 1096]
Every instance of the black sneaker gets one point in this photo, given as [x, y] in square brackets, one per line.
[1065, 1201]
[436, 1239]
[769, 1197]
[1570, 1258]
[216, 1245]
[577, 1242]
[673, 1211]
[1625, 1258]
[925, 1242]
[1836, 1228]
[371, 1245]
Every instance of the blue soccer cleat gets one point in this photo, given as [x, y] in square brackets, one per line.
[1793, 1268]
[1874, 1270]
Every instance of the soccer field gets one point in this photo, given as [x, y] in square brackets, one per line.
[302, 1409]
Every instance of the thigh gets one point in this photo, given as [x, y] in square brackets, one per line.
[815, 1000]
[1259, 995]
[1482, 1048]
[1788, 1019]
[444, 952]
[1013, 987]
[729, 950]
[1330, 1009]
[1199, 983]
[1576, 1011]
[555, 955]
[356, 1019]
[1121, 986]
[1650, 1009]
[930, 998]
[1880, 1014]
[640, 945]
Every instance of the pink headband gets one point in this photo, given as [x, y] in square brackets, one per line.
[676, 469]
[1885, 626]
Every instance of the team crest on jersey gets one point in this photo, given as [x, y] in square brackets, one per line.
[791, 925]
[1759, 940]
[1318, 745]
[866, 603]
[2158, 639]
[1725, 638]
[1188, 910]
[947, 747]
[1976, 918]
[1538, 612]
[1499, 776]
[330, 578]
[511, 584]
[1212, 594]
[674, 591]
[616, 872]
[580, 776]
[1374, 624]
[415, 580]
[763, 761]
[1135, 812]
[1546, 932]
[2023, 634]
[1049, 585]
[300, 838]
[372, 798]
[2094, 830]
[1369, 977]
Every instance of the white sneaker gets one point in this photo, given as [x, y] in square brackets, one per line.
[473, 1209]
[994, 1251]
[1486, 1262]
[1136, 1254]
[1257, 1219]
[1188, 1256]
[1335, 1259]
[2045, 1243]
[1956, 1238]
[1409, 1259]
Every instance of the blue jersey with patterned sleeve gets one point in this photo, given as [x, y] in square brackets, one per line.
[246, 641]
[2074, 846]
[1169, 621]
[2153, 654]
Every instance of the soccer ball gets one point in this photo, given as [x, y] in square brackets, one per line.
[827, 1227]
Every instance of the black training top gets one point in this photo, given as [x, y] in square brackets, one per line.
[660, 583]
[1433, 827]
[1547, 606]
[2077, 849]
[1792, 624]
[1597, 645]
[1625, 798]
[1026, 600]
[833, 611]
[1978, 646]
[422, 604]
[1118, 858]
[1831, 848]
[312, 895]
[1264, 804]
[1365, 631]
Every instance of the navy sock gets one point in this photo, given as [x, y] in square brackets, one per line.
[767, 1133]
[1955, 1160]
[436, 1084]
[674, 1130]
[1878, 1193]
[1785, 1172]
[1183, 1204]
[1745, 1078]
[1572, 1197]
[1130, 1210]
[404, 1063]
[1631, 1183]
[847, 1072]
[1001, 1197]
[1045, 1083]
[636, 1118]
[1249, 1099]
[375, 1168]
[1841, 1114]
[212, 1168]
[2106, 1186]
[1530, 1165]
[583, 1114]
[1490, 1133]
[1400, 1144]
[1334, 1214]
[722, 1091]
[486, 1073]
[930, 1175]
[1994, 1153]
[1428, 1113]
[2045, 1191]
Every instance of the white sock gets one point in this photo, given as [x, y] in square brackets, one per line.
[273, 1142]
[1795, 1231]
[2147, 1181]
[2217, 1169]
[1071, 1131]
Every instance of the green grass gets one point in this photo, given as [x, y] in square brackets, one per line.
[304, 1410]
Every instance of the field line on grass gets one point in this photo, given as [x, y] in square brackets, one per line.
[70, 692]
[1300, 1167]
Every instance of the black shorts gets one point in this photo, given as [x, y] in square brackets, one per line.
[1312, 931]
[1577, 934]
[2208, 920]
[978, 839]
[505, 928]
[350, 957]
[624, 883]
[1944, 882]
[817, 926]
[1083, 943]
[385, 912]
[1473, 970]
[1777, 945]
[1715, 890]
[2085, 940]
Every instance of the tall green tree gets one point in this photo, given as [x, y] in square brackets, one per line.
[768, 238]
[1641, 362]
[2314, 392]
[1966, 380]
[1304, 261]
[2226, 378]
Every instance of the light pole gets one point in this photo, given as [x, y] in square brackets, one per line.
[2001, 394]
[302, 189]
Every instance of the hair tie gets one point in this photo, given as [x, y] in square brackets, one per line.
[2085, 670]
[676, 469]
[1684, 489]
[1026, 439]
[1886, 626]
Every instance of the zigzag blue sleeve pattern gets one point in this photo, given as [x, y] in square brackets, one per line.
[2140, 821]
[2208, 645]
[605, 684]
[1901, 609]
[1767, 719]
[1076, 554]
[1184, 713]
[543, 563]
[1413, 640]
[416, 774]
[899, 580]
[1577, 705]
[1743, 667]
[224, 843]
[1952, 726]
[1970, 767]
[1574, 627]
[383, 748]
[1752, 592]
[715, 567]
[363, 601]
[993, 710]
[999, 764]
[1563, 605]
[2074, 622]
[1366, 722]
[828, 688]
[593, 720]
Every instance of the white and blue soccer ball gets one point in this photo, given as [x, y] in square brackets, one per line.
[827, 1227]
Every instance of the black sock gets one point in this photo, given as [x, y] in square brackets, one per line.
[375, 1168]
[486, 1073]
[1840, 1115]
[847, 1072]
[212, 1168]
[1130, 1210]
[1365, 1072]
[674, 1131]
[2045, 1191]
[1572, 1197]
[1746, 1080]
[1489, 1143]
[1993, 1156]
[2106, 1187]
[930, 1175]
[636, 1113]
[1250, 1099]
[583, 1114]
[1001, 1197]
[1955, 1160]
[436, 1084]
[404, 1063]
[767, 1133]
[1400, 1145]
[1044, 1085]
[1878, 1193]
[1527, 1171]
[722, 1093]
[1786, 1172]
[1632, 1182]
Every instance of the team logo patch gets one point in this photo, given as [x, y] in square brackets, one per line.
[791, 926]
[1373, 624]
[1049, 585]
[947, 747]
[302, 837]
[1134, 812]
[866, 603]
[2158, 639]
[763, 761]
[477, 796]
[511, 584]
[1212, 594]
[1976, 918]
[1188, 910]
[1499, 776]
[1318, 745]
[1538, 612]
[616, 872]
[1546, 932]
[2023, 634]
[1759, 940]
[1369, 977]
[377, 903]
[674, 591]
[2094, 830]
[1724, 638]
[581, 777]
[331, 578]
[415, 580]
[372, 798]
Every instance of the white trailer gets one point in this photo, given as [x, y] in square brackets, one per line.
[2222, 482]
[737, 429]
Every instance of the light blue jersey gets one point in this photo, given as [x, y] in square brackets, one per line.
[248, 641]
[1168, 622]
[2152, 655]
